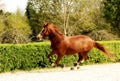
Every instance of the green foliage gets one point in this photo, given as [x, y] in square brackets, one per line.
[112, 13]
[23, 57]
[33, 18]
[73, 17]
[34, 55]
[14, 28]
[102, 35]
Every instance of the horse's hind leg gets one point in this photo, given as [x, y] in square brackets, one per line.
[85, 56]
[77, 64]
[82, 57]
[79, 60]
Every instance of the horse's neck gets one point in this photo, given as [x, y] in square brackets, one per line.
[56, 38]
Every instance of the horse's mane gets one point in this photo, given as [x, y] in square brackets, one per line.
[57, 30]
[58, 35]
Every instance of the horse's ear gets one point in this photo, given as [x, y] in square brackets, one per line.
[45, 24]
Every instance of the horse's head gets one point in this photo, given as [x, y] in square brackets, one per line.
[44, 32]
[48, 30]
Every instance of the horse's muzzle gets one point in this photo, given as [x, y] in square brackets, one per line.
[40, 37]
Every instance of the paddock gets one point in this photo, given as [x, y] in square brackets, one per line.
[97, 72]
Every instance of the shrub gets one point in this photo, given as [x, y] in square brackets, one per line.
[14, 28]
[34, 55]
[102, 35]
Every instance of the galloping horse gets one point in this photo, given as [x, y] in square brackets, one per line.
[68, 45]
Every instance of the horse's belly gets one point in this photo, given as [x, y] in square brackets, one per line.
[71, 51]
[79, 48]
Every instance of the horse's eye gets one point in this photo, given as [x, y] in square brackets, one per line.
[44, 30]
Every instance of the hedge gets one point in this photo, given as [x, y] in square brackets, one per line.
[34, 55]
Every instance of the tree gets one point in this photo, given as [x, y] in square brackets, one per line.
[15, 28]
[112, 13]
[33, 18]
[66, 14]
[73, 16]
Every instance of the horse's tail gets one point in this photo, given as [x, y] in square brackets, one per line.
[103, 49]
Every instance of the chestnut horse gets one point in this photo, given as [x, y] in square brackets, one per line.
[63, 45]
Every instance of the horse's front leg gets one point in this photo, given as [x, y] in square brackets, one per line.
[57, 61]
[52, 53]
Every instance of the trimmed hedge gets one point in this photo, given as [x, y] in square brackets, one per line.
[34, 55]
[23, 56]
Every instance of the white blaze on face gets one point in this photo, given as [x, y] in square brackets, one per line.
[42, 30]
[40, 36]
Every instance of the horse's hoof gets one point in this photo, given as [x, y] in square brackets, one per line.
[78, 67]
[82, 62]
[50, 61]
[72, 68]
[75, 64]
[53, 64]
[63, 66]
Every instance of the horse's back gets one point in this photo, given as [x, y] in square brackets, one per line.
[79, 43]
[79, 38]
